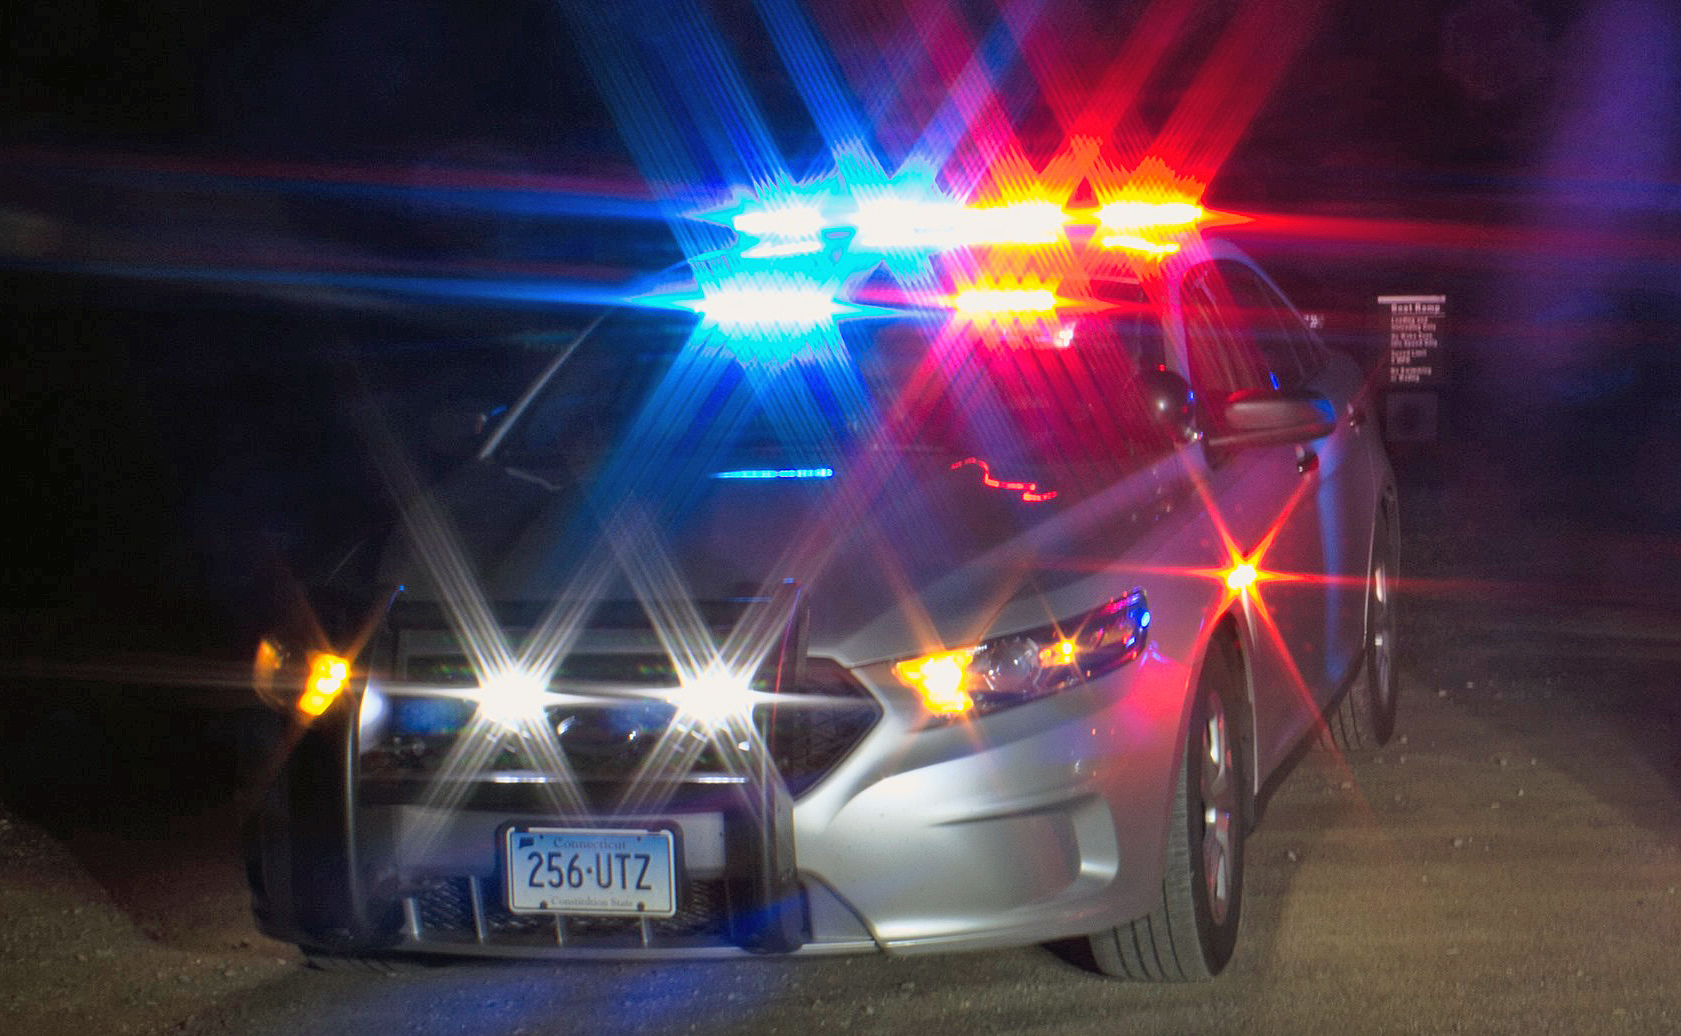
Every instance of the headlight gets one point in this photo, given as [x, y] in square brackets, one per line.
[267, 677]
[1020, 667]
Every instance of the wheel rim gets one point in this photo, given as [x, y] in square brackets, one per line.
[1219, 786]
[1383, 639]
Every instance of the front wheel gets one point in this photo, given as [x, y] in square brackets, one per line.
[1191, 933]
[1365, 717]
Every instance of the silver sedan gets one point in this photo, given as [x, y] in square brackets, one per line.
[888, 634]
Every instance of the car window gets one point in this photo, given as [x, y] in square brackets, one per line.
[1132, 319]
[1283, 343]
[1063, 393]
[1060, 393]
[1224, 358]
[597, 387]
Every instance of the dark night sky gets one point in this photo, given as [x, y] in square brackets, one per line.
[295, 80]
[1433, 82]
[182, 441]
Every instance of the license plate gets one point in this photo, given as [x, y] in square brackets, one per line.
[556, 870]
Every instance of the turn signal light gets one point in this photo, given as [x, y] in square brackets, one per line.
[329, 674]
[1020, 667]
[939, 679]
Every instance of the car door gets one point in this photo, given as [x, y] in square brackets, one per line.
[1268, 499]
[1345, 490]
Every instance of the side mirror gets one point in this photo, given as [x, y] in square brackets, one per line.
[454, 430]
[1170, 404]
[1265, 417]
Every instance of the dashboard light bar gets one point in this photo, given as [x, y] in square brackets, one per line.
[766, 474]
[1030, 491]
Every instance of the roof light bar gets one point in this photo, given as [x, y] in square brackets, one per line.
[1004, 301]
[783, 221]
[1150, 214]
[1019, 223]
[771, 306]
[888, 222]
[1123, 225]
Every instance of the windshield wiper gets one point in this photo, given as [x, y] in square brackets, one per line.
[521, 473]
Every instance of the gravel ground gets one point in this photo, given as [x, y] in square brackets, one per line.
[1509, 864]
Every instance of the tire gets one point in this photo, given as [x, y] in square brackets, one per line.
[1191, 933]
[1365, 716]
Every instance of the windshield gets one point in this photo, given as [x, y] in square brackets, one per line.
[1054, 396]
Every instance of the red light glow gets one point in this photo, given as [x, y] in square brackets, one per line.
[1029, 491]
[1241, 576]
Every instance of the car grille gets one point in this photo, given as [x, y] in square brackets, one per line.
[610, 743]
[469, 911]
[805, 726]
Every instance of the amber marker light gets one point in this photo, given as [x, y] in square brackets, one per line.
[939, 680]
[328, 676]
[1063, 652]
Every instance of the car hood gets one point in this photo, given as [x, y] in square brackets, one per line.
[891, 560]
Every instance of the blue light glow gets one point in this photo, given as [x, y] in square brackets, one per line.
[771, 473]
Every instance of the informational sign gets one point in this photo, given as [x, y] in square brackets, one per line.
[1417, 365]
[1415, 343]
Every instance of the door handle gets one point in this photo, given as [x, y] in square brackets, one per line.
[1307, 461]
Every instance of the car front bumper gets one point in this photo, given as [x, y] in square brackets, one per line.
[1036, 823]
